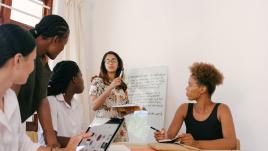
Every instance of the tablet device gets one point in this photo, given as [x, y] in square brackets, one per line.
[103, 136]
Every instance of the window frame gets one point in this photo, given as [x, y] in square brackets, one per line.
[5, 13]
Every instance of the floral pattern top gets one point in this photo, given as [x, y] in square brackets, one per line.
[117, 97]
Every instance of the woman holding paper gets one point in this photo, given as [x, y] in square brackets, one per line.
[209, 125]
[108, 89]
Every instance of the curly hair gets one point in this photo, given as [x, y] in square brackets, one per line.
[207, 75]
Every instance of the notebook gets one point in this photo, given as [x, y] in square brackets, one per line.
[127, 107]
[174, 140]
[171, 144]
[103, 136]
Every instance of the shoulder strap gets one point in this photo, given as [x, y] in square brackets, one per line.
[190, 109]
[215, 110]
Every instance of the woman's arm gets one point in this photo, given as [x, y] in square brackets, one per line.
[229, 138]
[177, 121]
[63, 140]
[99, 100]
[44, 114]
[71, 146]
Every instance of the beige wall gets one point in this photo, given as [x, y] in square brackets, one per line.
[231, 34]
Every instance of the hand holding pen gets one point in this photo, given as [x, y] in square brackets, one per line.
[117, 81]
[159, 134]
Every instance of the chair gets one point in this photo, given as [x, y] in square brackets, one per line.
[33, 125]
[31, 128]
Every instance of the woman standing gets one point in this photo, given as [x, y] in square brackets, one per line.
[17, 55]
[109, 89]
[51, 34]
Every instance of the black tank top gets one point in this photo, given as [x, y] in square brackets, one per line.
[208, 129]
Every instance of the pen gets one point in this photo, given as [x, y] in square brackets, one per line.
[155, 129]
[121, 73]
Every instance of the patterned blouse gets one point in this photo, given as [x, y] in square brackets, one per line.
[117, 97]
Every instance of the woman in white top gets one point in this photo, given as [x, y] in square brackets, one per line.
[109, 89]
[66, 111]
[17, 54]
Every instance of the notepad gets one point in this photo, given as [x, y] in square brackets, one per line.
[127, 108]
[174, 140]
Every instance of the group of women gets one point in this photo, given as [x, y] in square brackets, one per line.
[28, 86]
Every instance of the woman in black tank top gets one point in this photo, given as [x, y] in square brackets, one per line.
[209, 125]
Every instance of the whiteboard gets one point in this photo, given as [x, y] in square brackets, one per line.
[146, 87]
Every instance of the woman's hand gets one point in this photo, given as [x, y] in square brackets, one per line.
[159, 135]
[187, 139]
[74, 141]
[116, 82]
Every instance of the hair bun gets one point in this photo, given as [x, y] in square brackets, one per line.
[34, 32]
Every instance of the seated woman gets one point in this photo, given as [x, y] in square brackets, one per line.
[209, 125]
[66, 112]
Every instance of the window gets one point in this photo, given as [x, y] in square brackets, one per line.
[26, 13]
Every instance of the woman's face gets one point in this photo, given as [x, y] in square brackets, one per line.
[56, 46]
[79, 83]
[111, 63]
[193, 90]
[24, 67]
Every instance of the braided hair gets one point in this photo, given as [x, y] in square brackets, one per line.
[50, 26]
[62, 75]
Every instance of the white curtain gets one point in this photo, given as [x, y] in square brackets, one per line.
[76, 13]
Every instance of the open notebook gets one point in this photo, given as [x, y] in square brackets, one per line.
[171, 144]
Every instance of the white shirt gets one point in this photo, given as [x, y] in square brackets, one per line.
[12, 135]
[67, 120]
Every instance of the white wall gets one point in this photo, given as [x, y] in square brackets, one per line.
[231, 34]
[77, 49]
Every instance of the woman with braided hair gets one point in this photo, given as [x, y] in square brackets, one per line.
[66, 111]
[51, 34]
[17, 55]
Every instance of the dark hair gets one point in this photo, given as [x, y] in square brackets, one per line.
[50, 26]
[207, 75]
[13, 40]
[62, 75]
[103, 72]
